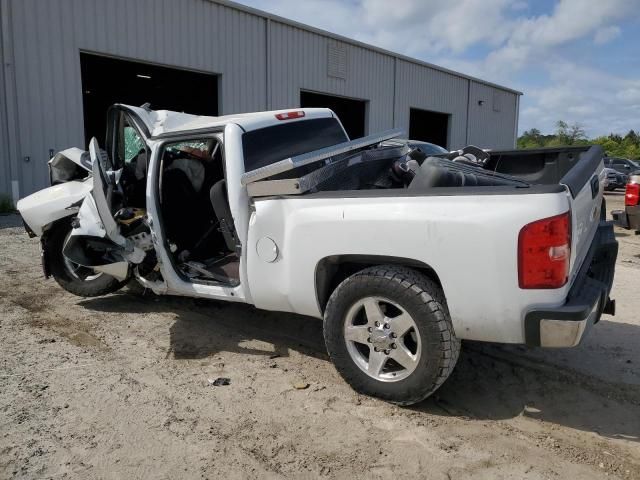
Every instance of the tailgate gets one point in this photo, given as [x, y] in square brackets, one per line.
[585, 182]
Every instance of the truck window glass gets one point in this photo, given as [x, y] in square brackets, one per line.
[271, 144]
[132, 144]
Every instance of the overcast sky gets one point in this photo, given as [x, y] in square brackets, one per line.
[575, 60]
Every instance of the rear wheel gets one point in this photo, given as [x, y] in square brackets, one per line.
[74, 278]
[388, 332]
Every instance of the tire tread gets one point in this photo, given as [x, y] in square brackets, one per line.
[434, 304]
[59, 272]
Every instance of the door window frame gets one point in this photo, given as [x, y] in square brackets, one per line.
[157, 168]
[117, 119]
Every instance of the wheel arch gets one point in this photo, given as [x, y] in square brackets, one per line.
[332, 270]
[44, 238]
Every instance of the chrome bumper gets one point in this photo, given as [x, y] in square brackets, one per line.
[588, 299]
[563, 333]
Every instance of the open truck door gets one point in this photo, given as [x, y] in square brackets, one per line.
[95, 241]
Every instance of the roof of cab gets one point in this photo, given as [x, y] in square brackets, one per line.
[166, 122]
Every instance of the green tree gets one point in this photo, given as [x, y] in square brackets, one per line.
[531, 139]
[632, 137]
[613, 144]
[562, 132]
[568, 134]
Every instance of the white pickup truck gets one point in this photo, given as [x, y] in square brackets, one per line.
[401, 247]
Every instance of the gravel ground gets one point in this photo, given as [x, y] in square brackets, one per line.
[118, 387]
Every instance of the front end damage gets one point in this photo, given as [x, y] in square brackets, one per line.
[90, 245]
[70, 164]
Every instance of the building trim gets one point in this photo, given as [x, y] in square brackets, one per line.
[267, 69]
[515, 134]
[468, 110]
[10, 110]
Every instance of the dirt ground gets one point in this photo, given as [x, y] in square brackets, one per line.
[118, 387]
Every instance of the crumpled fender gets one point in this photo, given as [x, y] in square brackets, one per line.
[41, 209]
[69, 164]
[110, 254]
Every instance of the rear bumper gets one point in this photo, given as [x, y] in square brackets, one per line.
[587, 300]
[628, 218]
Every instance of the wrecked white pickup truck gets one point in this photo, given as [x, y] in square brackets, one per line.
[403, 248]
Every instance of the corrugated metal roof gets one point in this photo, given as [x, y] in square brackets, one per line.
[351, 41]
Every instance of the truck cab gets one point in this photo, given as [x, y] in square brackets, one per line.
[167, 189]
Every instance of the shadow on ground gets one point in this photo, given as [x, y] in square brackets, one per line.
[489, 383]
[204, 328]
[492, 382]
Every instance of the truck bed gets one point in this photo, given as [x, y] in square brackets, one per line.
[570, 166]
[365, 165]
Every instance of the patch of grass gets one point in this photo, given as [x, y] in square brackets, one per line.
[6, 205]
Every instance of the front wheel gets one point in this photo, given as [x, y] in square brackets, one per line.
[389, 334]
[74, 278]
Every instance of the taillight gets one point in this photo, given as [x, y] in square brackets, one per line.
[544, 252]
[632, 194]
[290, 115]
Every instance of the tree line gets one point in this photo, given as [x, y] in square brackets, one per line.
[627, 146]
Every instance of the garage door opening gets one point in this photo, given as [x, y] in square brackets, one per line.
[106, 81]
[432, 127]
[352, 113]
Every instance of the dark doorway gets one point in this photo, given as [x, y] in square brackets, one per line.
[350, 112]
[432, 127]
[106, 81]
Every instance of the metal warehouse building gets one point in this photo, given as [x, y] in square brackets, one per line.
[65, 61]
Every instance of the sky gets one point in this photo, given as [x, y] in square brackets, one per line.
[574, 60]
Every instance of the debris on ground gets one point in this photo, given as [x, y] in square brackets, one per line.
[220, 381]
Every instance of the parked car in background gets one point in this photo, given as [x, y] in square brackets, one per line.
[629, 218]
[614, 179]
[622, 165]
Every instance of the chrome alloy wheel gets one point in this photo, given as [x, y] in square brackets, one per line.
[85, 274]
[382, 339]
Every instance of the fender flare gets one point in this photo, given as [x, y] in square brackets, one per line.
[332, 270]
[44, 257]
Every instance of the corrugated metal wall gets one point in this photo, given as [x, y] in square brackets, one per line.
[299, 61]
[184, 33]
[235, 42]
[421, 87]
[5, 165]
[493, 117]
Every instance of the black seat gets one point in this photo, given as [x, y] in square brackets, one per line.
[220, 203]
[181, 209]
